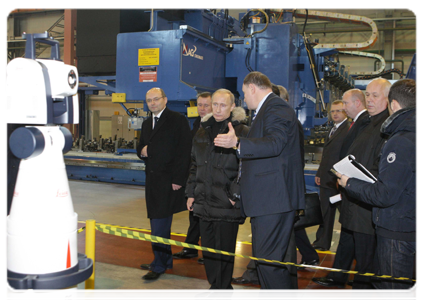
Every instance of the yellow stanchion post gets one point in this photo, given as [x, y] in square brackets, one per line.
[90, 250]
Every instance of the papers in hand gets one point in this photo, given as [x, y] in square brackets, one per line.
[335, 199]
[350, 167]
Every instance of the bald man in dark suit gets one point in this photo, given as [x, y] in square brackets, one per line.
[165, 147]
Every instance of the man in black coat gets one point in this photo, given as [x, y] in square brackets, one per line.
[204, 107]
[325, 178]
[165, 146]
[212, 171]
[354, 104]
[272, 181]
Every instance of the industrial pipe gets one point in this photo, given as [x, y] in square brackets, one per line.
[345, 30]
[393, 60]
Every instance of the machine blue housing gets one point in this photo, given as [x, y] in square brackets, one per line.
[192, 51]
[186, 62]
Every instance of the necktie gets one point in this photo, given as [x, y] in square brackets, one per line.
[156, 119]
[352, 123]
[255, 114]
[332, 131]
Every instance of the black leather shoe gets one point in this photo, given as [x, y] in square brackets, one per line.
[151, 275]
[319, 248]
[324, 281]
[185, 254]
[313, 262]
[240, 280]
[209, 295]
[145, 266]
[201, 261]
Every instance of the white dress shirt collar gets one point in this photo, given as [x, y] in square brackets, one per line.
[339, 124]
[159, 114]
[261, 103]
[359, 114]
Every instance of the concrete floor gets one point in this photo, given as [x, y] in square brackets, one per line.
[124, 205]
[123, 283]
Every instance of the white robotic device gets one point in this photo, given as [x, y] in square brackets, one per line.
[42, 225]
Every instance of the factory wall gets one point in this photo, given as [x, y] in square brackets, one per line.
[392, 37]
[103, 103]
[32, 22]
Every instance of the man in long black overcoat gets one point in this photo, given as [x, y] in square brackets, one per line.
[165, 147]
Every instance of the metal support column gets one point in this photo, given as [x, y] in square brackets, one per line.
[69, 53]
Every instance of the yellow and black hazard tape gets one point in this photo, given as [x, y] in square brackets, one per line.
[122, 232]
[172, 233]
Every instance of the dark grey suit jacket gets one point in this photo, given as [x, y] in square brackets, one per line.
[272, 178]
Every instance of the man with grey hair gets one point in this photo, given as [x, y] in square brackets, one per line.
[356, 216]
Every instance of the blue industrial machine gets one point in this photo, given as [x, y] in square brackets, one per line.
[183, 58]
[412, 70]
[205, 51]
[210, 51]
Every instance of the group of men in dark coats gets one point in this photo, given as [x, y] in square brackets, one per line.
[271, 177]
[266, 163]
[365, 140]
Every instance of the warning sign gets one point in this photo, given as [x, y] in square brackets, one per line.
[148, 74]
[149, 57]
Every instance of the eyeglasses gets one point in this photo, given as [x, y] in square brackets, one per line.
[338, 111]
[153, 100]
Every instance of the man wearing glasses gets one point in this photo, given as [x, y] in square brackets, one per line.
[165, 147]
[325, 179]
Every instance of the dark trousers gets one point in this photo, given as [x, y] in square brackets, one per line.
[344, 257]
[221, 236]
[325, 231]
[162, 253]
[397, 259]
[193, 234]
[270, 239]
[308, 253]
[291, 256]
[365, 250]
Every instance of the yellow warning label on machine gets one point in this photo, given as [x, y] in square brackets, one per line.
[192, 112]
[149, 57]
[119, 97]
